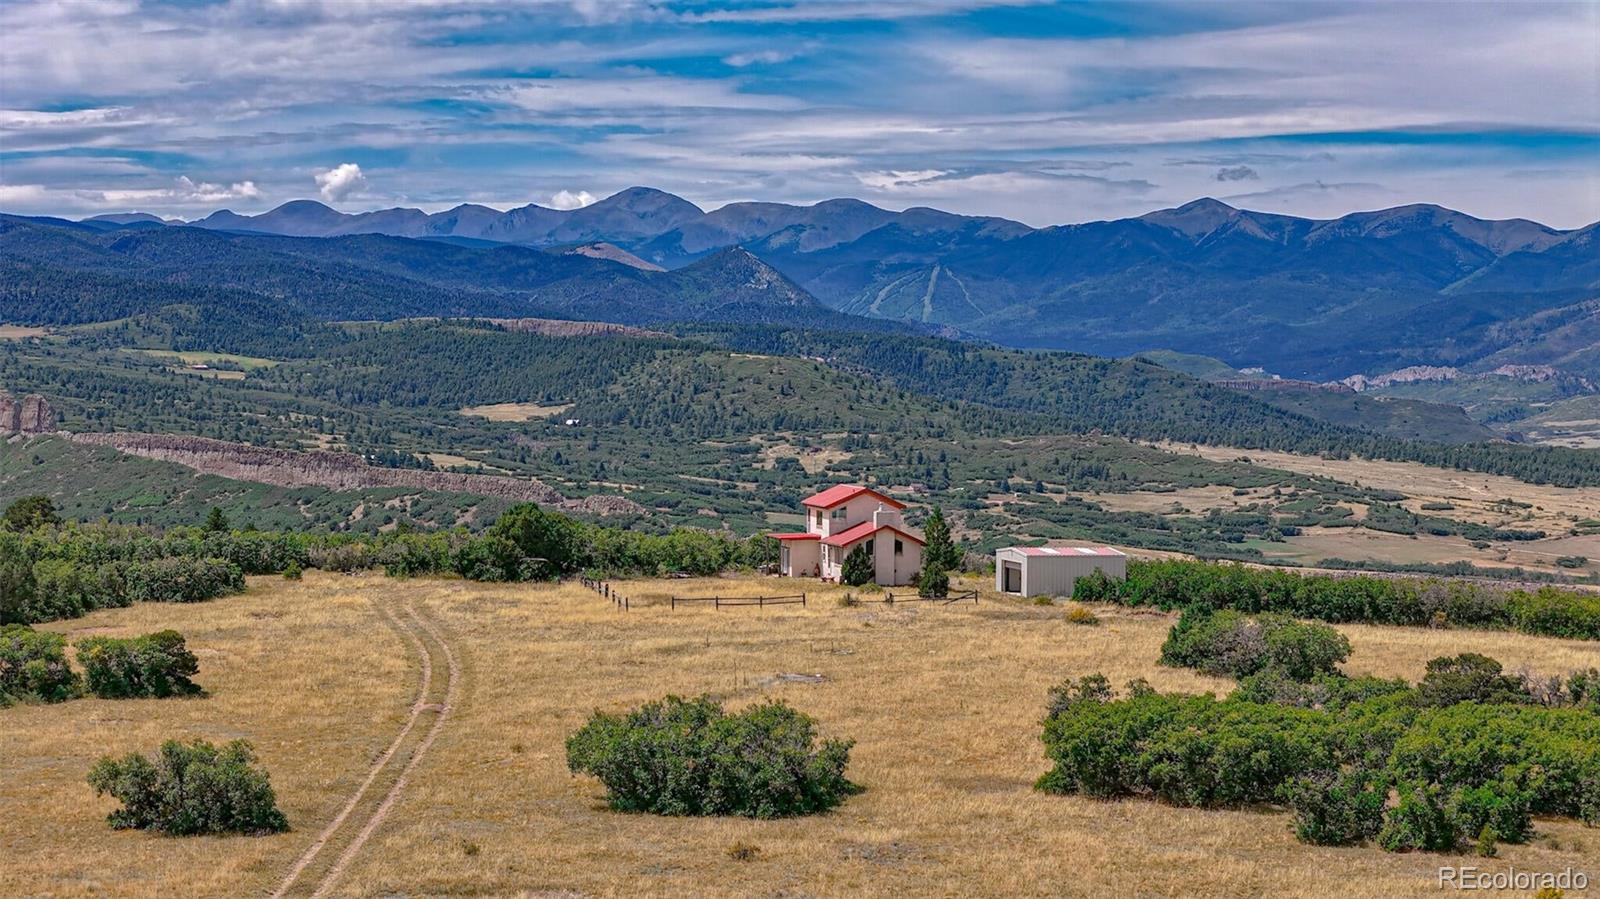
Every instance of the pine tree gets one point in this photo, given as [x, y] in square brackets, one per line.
[216, 521]
[857, 569]
[939, 551]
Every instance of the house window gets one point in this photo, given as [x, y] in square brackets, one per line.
[869, 548]
[899, 548]
[837, 513]
[819, 518]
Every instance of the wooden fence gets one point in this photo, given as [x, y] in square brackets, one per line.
[718, 602]
[890, 599]
[606, 590]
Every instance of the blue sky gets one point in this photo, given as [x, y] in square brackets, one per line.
[1043, 112]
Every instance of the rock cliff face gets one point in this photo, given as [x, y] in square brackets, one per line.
[336, 471]
[30, 415]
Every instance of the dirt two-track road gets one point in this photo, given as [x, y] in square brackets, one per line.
[319, 868]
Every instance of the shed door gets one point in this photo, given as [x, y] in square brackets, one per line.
[1013, 577]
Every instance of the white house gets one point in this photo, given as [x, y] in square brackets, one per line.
[1053, 570]
[846, 516]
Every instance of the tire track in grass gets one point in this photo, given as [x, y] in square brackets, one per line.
[412, 627]
[452, 688]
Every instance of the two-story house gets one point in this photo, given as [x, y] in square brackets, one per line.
[837, 521]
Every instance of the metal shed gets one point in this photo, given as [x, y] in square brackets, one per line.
[1052, 570]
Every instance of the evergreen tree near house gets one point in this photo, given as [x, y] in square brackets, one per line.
[939, 556]
[858, 568]
[940, 549]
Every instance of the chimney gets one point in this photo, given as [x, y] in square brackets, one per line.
[885, 515]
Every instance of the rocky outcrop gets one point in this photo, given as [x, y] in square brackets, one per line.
[555, 327]
[1282, 384]
[1407, 375]
[37, 417]
[335, 471]
[30, 415]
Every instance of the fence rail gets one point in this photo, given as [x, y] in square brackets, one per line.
[889, 598]
[606, 590]
[757, 601]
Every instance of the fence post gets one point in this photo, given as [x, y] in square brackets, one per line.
[674, 603]
[802, 599]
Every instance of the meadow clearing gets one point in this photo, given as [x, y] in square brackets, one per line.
[473, 797]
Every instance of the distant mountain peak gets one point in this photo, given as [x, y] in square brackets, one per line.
[1194, 219]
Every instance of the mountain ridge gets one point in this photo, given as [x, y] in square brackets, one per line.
[1316, 299]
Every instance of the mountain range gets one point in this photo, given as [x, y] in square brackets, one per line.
[1366, 293]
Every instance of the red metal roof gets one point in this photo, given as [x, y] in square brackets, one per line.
[843, 493]
[795, 536]
[864, 530]
[1066, 551]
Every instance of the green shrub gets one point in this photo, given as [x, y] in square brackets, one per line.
[689, 757]
[858, 567]
[342, 557]
[1337, 808]
[158, 665]
[1324, 691]
[1556, 613]
[1187, 750]
[1462, 770]
[552, 543]
[1502, 808]
[16, 581]
[1233, 644]
[189, 789]
[933, 582]
[1469, 677]
[64, 589]
[490, 558]
[33, 666]
[30, 512]
[180, 579]
[1422, 820]
[1176, 583]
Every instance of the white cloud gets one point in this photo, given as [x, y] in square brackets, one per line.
[566, 199]
[340, 181]
[894, 179]
[758, 57]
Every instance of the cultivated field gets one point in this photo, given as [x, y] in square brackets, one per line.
[324, 676]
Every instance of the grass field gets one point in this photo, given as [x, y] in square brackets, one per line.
[200, 357]
[943, 701]
[20, 332]
[515, 411]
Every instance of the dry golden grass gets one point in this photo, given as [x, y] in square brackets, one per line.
[19, 332]
[943, 701]
[515, 411]
[1474, 495]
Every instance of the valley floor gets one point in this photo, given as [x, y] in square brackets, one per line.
[944, 703]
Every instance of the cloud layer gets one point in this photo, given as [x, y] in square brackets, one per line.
[1041, 112]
